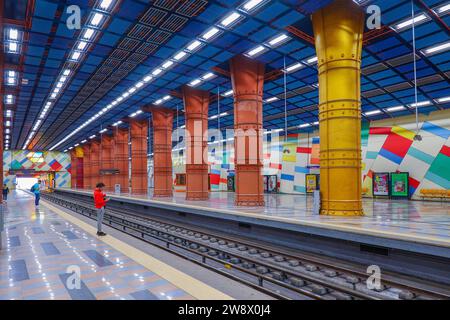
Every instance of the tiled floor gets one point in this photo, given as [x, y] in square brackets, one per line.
[422, 221]
[41, 251]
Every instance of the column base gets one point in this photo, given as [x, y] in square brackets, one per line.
[250, 203]
[162, 194]
[346, 213]
[197, 196]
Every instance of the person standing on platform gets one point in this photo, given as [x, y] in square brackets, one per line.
[36, 189]
[5, 192]
[100, 200]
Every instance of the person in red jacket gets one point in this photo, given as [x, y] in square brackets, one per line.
[100, 203]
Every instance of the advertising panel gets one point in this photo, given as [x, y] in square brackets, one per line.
[399, 184]
[380, 184]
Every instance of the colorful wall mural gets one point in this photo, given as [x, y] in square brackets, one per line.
[53, 163]
[387, 146]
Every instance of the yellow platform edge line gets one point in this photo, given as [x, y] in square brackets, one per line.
[192, 286]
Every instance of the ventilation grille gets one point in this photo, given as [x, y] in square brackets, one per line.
[373, 68]
[174, 23]
[372, 93]
[153, 16]
[140, 31]
[402, 60]
[191, 7]
[159, 37]
[398, 87]
[166, 4]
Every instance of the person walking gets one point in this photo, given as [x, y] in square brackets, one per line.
[5, 192]
[100, 200]
[36, 189]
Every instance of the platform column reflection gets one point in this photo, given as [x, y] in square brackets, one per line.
[106, 161]
[120, 158]
[162, 122]
[196, 103]
[338, 30]
[73, 169]
[247, 78]
[138, 134]
[95, 163]
[87, 177]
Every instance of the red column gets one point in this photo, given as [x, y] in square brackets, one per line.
[106, 162]
[95, 163]
[162, 120]
[120, 159]
[139, 176]
[73, 169]
[247, 77]
[196, 103]
[87, 184]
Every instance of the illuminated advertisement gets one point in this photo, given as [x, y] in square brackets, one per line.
[380, 184]
[311, 182]
[399, 184]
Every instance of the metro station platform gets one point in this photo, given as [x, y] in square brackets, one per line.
[418, 226]
[41, 243]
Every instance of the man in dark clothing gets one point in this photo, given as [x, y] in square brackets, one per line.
[5, 192]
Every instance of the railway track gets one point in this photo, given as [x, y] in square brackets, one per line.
[275, 271]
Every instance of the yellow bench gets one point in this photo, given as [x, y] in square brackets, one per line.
[435, 193]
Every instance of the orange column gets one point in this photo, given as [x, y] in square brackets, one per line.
[196, 104]
[120, 159]
[87, 166]
[106, 161]
[139, 176]
[162, 120]
[73, 169]
[95, 163]
[247, 78]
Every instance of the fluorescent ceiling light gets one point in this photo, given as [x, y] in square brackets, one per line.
[437, 48]
[409, 22]
[13, 47]
[294, 67]
[147, 78]
[157, 102]
[420, 104]
[7, 123]
[81, 45]
[193, 45]
[156, 72]
[165, 98]
[75, 55]
[83, 141]
[105, 4]
[96, 19]
[103, 130]
[311, 60]
[195, 82]
[315, 123]
[304, 125]
[444, 8]
[228, 93]
[252, 4]
[63, 79]
[139, 84]
[66, 72]
[371, 113]
[13, 34]
[180, 55]
[278, 40]
[210, 33]
[167, 64]
[256, 50]
[88, 33]
[208, 76]
[230, 19]
[92, 137]
[272, 99]
[444, 99]
[76, 145]
[393, 109]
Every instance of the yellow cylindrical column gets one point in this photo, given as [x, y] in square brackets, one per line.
[338, 31]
